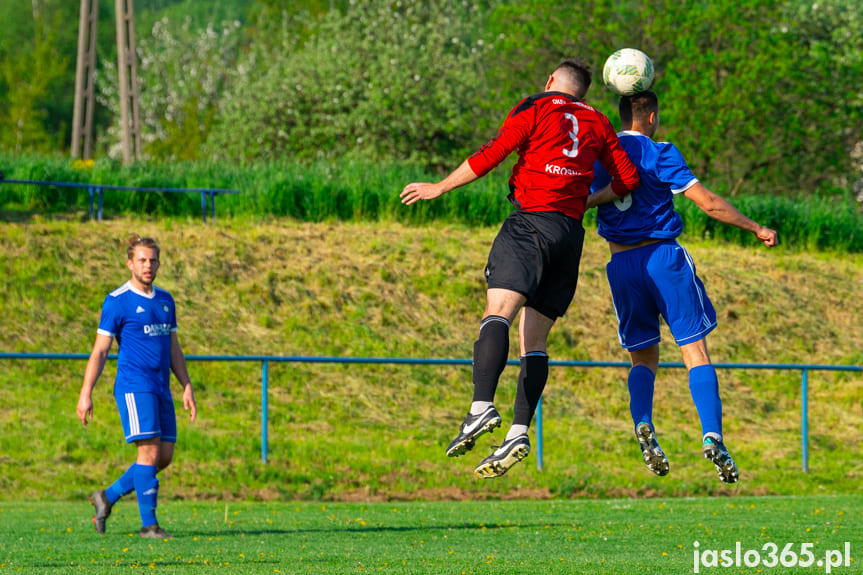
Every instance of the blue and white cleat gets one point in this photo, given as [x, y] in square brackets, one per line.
[715, 451]
[654, 457]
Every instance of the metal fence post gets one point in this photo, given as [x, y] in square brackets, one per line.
[539, 434]
[264, 385]
[804, 418]
[204, 205]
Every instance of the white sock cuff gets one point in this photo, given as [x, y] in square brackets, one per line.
[478, 407]
[515, 431]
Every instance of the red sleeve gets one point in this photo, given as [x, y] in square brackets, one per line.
[624, 175]
[514, 132]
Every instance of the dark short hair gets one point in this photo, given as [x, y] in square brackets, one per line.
[638, 106]
[578, 74]
[134, 240]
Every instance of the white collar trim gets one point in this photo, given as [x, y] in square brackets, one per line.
[150, 295]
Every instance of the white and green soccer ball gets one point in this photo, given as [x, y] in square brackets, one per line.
[628, 71]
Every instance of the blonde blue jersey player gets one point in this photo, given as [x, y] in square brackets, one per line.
[651, 276]
[143, 320]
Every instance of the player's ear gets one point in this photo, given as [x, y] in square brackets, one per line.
[548, 84]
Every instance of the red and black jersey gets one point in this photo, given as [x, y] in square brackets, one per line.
[558, 139]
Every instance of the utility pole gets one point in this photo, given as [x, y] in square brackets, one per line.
[127, 65]
[82, 115]
[127, 68]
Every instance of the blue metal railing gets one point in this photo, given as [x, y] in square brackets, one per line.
[97, 191]
[265, 360]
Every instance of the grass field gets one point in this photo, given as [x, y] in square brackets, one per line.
[620, 536]
[377, 432]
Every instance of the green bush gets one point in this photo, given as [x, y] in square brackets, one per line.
[355, 191]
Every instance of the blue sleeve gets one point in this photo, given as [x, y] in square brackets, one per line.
[112, 317]
[672, 169]
[600, 178]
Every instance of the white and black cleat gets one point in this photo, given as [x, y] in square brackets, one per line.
[511, 452]
[472, 427]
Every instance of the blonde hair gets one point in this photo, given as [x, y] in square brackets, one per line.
[135, 240]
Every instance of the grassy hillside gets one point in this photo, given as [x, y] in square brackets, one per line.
[378, 432]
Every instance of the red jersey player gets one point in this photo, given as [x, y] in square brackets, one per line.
[533, 263]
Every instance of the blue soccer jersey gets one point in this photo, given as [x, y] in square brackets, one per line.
[648, 211]
[142, 324]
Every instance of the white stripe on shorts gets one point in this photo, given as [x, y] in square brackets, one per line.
[705, 321]
[134, 423]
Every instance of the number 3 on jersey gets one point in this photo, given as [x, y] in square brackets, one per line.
[571, 153]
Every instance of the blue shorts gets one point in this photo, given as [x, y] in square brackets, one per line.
[653, 280]
[147, 415]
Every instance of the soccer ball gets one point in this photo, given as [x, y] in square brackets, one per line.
[628, 71]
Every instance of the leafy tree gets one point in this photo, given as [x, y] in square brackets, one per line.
[33, 71]
[379, 80]
[761, 95]
[828, 99]
[181, 76]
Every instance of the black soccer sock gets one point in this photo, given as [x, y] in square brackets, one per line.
[531, 383]
[490, 353]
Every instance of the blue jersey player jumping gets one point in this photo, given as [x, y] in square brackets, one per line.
[143, 319]
[652, 275]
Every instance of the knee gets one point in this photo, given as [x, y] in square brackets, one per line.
[165, 461]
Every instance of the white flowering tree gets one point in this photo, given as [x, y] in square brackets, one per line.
[378, 80]
[182, 74]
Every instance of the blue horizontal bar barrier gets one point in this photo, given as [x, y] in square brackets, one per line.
[266, 359]
[98, 190]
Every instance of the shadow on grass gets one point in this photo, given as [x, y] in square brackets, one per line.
[26, 216]
[465, 526]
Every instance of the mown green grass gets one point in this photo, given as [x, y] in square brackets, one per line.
[618, 536]
[378, 432]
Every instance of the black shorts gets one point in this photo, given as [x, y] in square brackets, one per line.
[537, 255]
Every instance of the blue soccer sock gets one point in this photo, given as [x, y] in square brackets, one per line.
[123, 486]
[640, 382]
[704, 387]
[147, 491]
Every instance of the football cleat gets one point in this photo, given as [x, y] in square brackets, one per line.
[472, 427]
[511, 452]
[654, 457]
[716, 452]
[154, 532]
[103, 510]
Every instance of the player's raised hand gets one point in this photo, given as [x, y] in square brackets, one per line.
[767, 236]
[416, 191]
[85, 408]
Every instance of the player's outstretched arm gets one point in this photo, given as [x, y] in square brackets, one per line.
[721, 210]
[95, 365]
[416, 191]
[178, 366]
